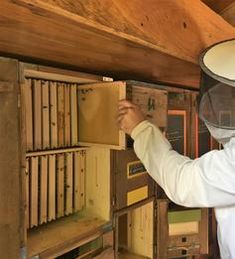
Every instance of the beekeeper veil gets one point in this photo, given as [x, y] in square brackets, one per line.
[217, 90]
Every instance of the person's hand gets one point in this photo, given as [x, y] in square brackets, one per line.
[129, 116]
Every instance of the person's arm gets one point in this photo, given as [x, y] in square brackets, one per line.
[208, 181]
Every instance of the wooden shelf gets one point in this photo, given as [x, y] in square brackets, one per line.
[127, 255]
[60, 236]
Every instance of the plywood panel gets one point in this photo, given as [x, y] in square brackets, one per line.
[97, 112]
[98, 186]
[141, 231]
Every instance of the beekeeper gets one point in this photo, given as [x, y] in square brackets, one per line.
[208, 181]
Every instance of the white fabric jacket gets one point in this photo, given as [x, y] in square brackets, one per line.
[208, 181]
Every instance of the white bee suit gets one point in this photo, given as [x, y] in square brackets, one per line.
[208, 181]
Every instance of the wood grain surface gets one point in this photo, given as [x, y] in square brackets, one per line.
[127, 40]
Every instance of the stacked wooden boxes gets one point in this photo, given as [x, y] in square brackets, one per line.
[180, 234]
[66, 185]
[72, 146]
[134, 189]
[80, 179]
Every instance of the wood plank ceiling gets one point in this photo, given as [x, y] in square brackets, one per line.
[217, 5]
[225, 8]
[152, 40]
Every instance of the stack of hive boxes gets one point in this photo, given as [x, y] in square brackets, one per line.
[84, 189]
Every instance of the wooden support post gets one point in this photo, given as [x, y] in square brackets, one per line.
[162, 229]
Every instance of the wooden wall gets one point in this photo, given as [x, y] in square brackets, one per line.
[10, 169]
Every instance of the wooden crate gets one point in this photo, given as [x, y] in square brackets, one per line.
[131, 181]
[134, 232]
[184, 235]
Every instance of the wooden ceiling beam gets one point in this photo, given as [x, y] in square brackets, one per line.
[218, 5]
[176, 27]
[153, 40]
[229, 14]
[31, 31]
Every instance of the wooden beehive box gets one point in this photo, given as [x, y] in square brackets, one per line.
[181, 232]
[57, 198]
[134, 232]
[67, 187]
[67, 130]
[132, 183]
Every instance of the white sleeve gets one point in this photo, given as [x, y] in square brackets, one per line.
[208, 181]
